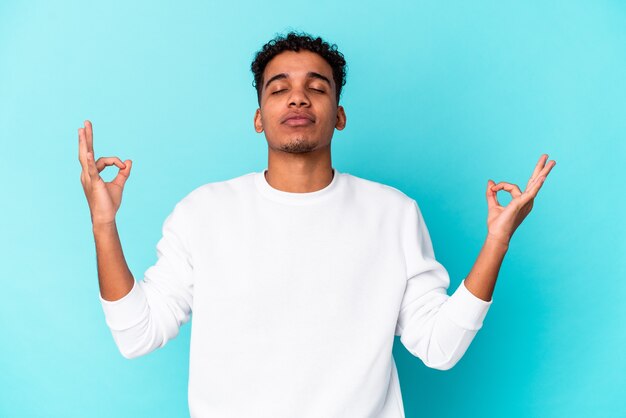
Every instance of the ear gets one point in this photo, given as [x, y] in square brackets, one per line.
[341, 118]
[258, 125]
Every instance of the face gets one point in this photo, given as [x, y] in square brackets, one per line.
[299, 110]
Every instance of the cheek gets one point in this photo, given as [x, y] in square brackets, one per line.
[268, 114]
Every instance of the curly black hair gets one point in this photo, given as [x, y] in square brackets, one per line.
[295, 41]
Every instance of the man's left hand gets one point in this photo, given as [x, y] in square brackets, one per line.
[502, 221]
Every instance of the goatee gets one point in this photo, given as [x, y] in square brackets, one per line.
[298, 145]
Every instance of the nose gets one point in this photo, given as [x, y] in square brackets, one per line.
[298, 98]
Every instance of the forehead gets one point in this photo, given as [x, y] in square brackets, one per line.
[297, 64]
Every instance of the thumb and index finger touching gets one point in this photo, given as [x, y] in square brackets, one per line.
[534, 184]
[124, 168]
[93, 167]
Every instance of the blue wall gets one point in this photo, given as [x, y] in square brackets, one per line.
[439, 99]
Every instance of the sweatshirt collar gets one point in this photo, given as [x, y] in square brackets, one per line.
[294, 198]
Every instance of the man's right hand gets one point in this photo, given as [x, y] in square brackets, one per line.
[104, 199]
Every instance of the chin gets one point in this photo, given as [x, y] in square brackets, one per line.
[298, 146]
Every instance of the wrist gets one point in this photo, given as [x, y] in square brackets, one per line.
[497, 243]
[103, 226]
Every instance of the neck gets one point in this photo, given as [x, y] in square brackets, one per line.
[299, 173]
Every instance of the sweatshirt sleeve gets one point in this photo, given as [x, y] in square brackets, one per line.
[153, 311]
[433, 326]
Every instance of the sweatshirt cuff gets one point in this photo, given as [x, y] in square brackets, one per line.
[465, 309]
[126, 312]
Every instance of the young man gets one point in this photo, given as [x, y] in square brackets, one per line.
[298, 276]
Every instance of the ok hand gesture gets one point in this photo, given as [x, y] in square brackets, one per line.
[503, 221]
[104, 199]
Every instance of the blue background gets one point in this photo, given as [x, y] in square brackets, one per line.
[439, 99]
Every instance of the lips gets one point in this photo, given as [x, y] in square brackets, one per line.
[298, 119]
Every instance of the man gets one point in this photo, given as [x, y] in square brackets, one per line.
[298, 276]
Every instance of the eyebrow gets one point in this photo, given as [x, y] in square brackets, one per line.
[310, 74]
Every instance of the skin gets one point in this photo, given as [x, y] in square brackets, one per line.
[299, 157]
[299, 161]
[502, 221]
[104, 199]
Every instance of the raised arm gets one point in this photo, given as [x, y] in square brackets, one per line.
[439, 328]
[104, 199]
[502, 221]
[142, 315]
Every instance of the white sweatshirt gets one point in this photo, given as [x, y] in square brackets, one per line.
[296, 299]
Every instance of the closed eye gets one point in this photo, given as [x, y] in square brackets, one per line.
[281, 90]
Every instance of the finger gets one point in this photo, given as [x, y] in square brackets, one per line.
[546, 170]
[538, 183]
[534, 188]
[123, 174]
[89, 136]
[540, 164]
[492, 199]
[91, 167]
[82, 149]
[509, 187]
[543, 173]
[103, 162]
